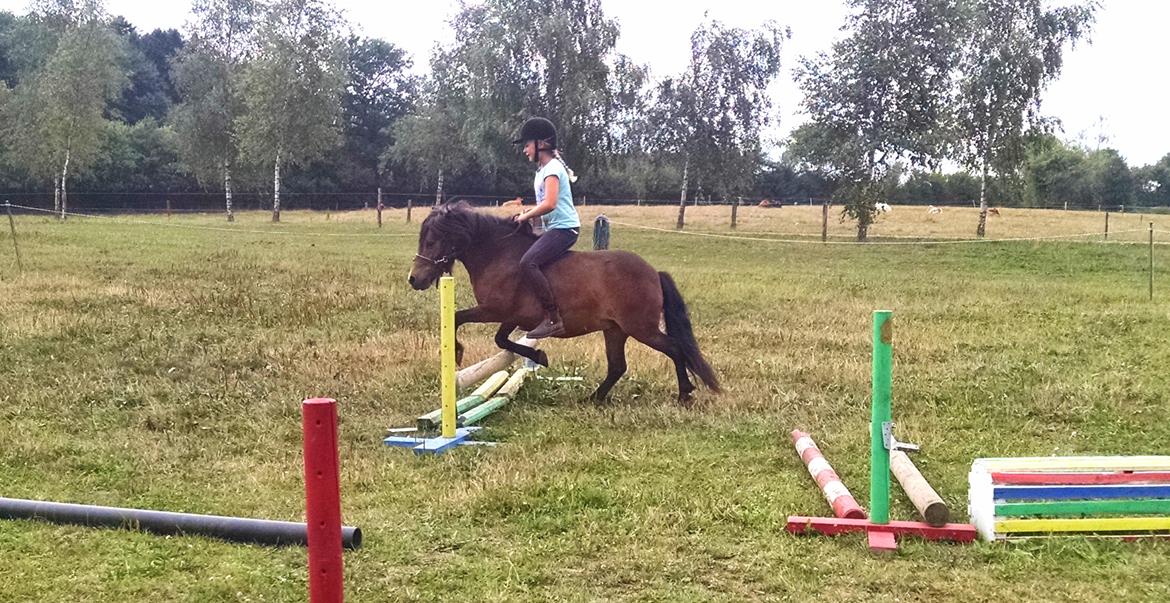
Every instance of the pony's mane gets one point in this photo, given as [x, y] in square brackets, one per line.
[462, 222]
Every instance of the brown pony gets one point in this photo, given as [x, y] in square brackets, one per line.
[614, 292]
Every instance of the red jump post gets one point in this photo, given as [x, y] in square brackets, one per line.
[322, 500]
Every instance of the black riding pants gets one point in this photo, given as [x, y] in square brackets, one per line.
[550, 247]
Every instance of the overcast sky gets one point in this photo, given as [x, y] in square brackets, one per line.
[1116, 87]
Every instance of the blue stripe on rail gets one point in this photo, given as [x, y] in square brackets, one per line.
[1005, 493]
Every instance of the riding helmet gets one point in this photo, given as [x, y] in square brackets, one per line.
[538, 129]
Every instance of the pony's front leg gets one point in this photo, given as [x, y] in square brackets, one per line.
[533, 354]
[476, 314]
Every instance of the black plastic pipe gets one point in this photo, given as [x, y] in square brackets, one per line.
[235, 529]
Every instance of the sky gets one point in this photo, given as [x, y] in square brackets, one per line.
[1112, 93]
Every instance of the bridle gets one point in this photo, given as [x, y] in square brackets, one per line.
[446, 263]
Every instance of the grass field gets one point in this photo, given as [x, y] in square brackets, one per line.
[154, 363]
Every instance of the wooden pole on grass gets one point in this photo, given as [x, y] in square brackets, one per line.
[1106, 226]
[929, 504]
[734, 211]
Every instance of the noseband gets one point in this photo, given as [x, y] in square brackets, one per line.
[446, 263]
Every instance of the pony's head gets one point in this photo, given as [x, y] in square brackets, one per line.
[449, 232]
[445, 233]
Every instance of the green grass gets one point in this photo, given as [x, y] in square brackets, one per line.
[163, 367]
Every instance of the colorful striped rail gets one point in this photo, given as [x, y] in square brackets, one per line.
[1119, 496]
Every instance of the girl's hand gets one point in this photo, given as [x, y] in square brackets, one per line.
[518, 218]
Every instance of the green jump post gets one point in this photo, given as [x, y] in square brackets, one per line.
[879, 455]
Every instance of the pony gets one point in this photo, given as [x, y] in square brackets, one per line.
[615, 292]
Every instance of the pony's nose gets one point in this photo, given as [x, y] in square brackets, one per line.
[410, 279]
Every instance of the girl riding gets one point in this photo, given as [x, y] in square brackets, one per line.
[554, 207]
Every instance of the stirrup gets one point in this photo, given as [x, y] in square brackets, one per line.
[547, 328]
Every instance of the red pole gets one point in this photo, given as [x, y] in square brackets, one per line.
[322, 500]
[831, 486]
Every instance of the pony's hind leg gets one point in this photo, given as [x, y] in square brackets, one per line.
[666, 344]
[615, 355]
[533, 354]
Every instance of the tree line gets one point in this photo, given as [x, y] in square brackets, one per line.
[280, 96]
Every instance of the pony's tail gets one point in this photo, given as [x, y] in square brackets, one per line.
[678, 327]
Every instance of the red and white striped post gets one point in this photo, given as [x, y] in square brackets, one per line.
[843, 503]
[322, 500]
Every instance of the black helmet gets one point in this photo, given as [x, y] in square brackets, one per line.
[540, 130]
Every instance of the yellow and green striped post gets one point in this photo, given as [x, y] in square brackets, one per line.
[447, 353]
[879, 455]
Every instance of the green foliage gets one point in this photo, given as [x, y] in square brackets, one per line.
[880, 97]
[715, 111]
[142, 157]
[1152, 183]
[151, 91]
[1056, 172]
[1012, 50]
[292, 87]
[207, 75]
[58, 116]
[380, 90]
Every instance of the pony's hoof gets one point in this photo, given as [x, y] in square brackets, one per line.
[686, 400]
[458, 354]
[541, 358]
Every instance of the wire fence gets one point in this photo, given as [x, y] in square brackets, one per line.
[150, 202]
[757, 237]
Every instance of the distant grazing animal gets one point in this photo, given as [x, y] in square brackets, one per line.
[882, 208]
[935, 210]
[517, 202]
[766, 203]
[993, 211]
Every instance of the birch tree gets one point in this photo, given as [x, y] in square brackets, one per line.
[882, 95]
[207, 73]
[292, 89]
[60, 110]
[1012, 50]
[712, 115]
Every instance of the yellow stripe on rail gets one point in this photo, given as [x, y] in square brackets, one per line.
[1090, 524]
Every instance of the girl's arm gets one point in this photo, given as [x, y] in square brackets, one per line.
[552, 186]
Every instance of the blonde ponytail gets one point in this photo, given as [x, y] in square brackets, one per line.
[572, 176]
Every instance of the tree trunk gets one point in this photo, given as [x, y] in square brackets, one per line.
[981, 230]
[682, 200]
[276, 189]
[227, 191]
[439, 190]
[64, 185]
[56, 194]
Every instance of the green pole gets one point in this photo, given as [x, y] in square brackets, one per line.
[879, 456]
[481, 412]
